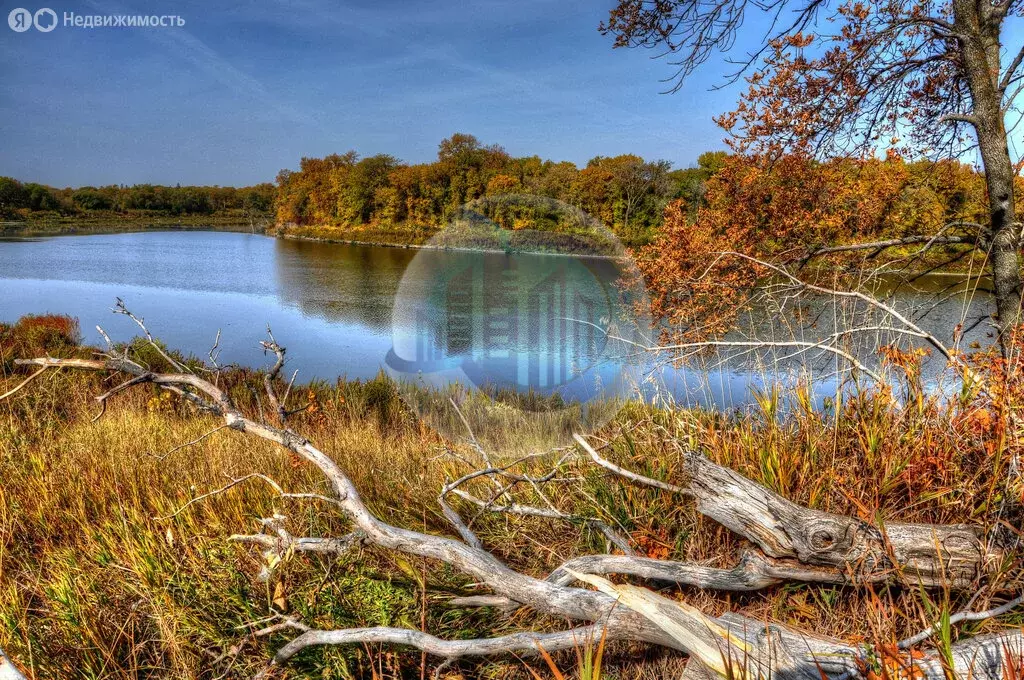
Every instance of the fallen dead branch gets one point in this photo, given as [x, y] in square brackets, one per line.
[790, 542]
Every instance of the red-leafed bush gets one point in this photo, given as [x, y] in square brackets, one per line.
[35, 333]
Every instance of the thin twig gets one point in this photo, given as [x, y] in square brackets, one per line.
[26, 381]
[191, 443]
[120, 308]
[960, 617]
[226, 487]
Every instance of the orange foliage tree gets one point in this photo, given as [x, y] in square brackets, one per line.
[784, 211]
[916, 77]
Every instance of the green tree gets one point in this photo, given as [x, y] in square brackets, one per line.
[358, 199]
[12, 196]
[690, 184]
[90, 198]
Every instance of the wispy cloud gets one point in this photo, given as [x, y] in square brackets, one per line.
[187, 48]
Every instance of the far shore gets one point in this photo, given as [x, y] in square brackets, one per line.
[114, 225]
[418, 239]
[90, 225]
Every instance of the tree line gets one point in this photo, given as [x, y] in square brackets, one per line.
[625, 192]
[819, 202]
[21, 199]
[829, 200]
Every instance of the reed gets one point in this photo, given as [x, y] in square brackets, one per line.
[97, 582]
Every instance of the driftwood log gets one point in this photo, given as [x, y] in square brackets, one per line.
[791, 543]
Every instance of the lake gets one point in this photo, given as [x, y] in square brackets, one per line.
[333, 306]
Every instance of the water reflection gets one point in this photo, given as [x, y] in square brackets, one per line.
[340, 283]
[332, 305]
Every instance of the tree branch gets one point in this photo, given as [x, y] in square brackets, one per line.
[882, 245]
[918, 553]
[754, 572]
[26, 381]
[960, 617]
[1010, 70]
[519, 643]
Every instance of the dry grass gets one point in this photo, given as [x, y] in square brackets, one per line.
[92, 585]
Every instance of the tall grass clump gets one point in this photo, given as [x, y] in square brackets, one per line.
[102, 575]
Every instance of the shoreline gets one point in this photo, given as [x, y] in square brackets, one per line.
[23, 229]
[127, 225]
[437, 248]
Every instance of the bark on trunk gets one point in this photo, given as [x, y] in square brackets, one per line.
[979, 25]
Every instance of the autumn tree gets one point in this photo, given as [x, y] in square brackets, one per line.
[359, 193]
[466, 166]
[797, 205]
[637, 183]
[690, 184]
[915, 77]
[626, 192]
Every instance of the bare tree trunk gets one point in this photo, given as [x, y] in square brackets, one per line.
[979, 25]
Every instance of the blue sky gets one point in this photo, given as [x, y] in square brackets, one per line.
[247, 88]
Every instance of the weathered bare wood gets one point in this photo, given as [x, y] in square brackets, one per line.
[753, 572]
[926, 554]
[744, 647]
[518, 643]
[285, 542]
[782, 529]
[278, 405]
[795, 654]
[734, 646]
[915, 640]
[8, 671]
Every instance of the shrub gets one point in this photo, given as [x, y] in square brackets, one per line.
[36, 334]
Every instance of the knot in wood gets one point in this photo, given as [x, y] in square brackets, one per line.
[822, 539]
[825, 541]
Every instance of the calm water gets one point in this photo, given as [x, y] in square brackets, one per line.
[330, 304]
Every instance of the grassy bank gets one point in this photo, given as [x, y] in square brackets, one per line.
[53, 224]
[98, 222]
[97, 581]
[112, 223]
[367, 234]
